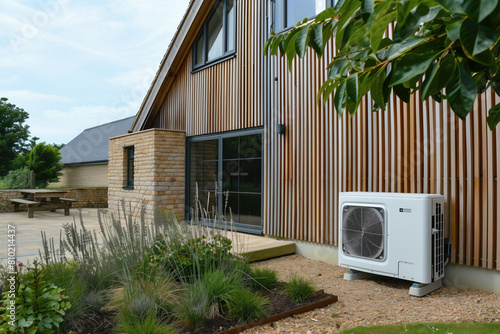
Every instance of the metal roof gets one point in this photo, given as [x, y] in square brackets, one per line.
[92, 145]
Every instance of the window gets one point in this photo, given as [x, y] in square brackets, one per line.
[217, 38]
[232, 164]
[130, 167]
[288, 13]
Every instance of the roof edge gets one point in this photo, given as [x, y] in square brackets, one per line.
[178, 41]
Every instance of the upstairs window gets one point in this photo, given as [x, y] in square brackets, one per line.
[217, 38]
[287, 13]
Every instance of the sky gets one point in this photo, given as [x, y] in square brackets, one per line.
[74, 64]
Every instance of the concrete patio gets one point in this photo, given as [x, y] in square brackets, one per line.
[29, 241]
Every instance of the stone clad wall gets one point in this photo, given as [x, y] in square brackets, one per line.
[86, 197]
[158, 172]
[83, 176]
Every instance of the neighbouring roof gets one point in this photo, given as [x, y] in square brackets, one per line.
[92, 145]
[179, 46]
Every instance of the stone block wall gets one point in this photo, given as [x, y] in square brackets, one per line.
[86, 197]
[83, 176]
[159, 172]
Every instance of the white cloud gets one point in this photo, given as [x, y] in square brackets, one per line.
[29, 96]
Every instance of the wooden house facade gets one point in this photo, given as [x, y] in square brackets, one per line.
[254, 130]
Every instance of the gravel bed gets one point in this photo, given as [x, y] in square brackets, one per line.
[377, 301]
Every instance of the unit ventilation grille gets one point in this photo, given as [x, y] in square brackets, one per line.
[438, 241]
[363, 232]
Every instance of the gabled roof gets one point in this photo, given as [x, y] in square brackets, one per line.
[92, 145]
[180, 45]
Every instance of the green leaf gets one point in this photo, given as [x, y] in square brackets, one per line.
[493, 116]
[328, 13]
[397, 49]
[480, 81]
[384, 14]
[402, 92]
[316, 39]
[478, 10]
[453, 30]
[301, 41]
[461, 92]
[346, 12]
[367, 7]
[340, 98]
[290, 50]
[411, 66]
[476, 38]
[352, 87]
[438, 76]
[377, 89]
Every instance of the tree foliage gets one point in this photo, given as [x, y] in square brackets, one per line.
[446, 49]
[43, 160]
[14, 134]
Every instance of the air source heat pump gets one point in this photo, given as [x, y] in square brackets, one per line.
[392, 234]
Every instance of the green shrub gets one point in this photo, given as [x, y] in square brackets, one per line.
[299, 289]
[39, 305]
[189, 259]
[194, 306]
[219, 285]
[246, 306]
[17, 179]
[264, 278]
[150, 324]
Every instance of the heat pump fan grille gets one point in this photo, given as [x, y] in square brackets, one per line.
[363, 232]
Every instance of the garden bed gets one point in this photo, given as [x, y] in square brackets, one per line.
[281, 307]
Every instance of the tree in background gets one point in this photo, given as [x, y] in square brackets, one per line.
[446, 49]
[43, 160]
[14, 134]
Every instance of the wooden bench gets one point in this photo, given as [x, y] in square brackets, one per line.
[67, 204]
[30, 204]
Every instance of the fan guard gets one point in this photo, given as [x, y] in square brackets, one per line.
[363, 232]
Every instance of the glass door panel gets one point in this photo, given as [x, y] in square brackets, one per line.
[233, 163]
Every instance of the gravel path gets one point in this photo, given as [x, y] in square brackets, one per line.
[375, 302]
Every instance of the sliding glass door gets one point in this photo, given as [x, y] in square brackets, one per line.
[225, 170]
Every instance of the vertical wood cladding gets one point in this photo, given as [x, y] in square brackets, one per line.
[419, 147]
[222, 97]
[415, 147]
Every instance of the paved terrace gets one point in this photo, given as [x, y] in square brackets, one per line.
[29, 240]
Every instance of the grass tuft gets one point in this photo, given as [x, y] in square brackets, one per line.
[299, 289]
[264, 278]
[246, 306]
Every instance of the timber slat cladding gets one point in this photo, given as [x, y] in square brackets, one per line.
[419, 147]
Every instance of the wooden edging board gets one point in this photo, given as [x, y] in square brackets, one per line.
[299, 310]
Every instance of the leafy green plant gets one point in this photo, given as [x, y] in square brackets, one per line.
[188, 258]
[246, 306]
[264, 278]
[149, 324]
[194, 306]
[299, 289]
[17, 179]
[445, 49]
[39, 305]
[220, 285]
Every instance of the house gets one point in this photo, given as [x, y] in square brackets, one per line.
[221, 116]
[85, 158]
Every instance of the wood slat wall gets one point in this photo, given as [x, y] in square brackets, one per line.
[419, 147]
[222, 97]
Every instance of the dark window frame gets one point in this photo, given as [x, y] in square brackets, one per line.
[283, 12]
[227, 54]
[220, 136]
[130, 169]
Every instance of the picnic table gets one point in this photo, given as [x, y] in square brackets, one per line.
[43, 200]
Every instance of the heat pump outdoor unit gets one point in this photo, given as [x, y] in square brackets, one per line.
[392, 234]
